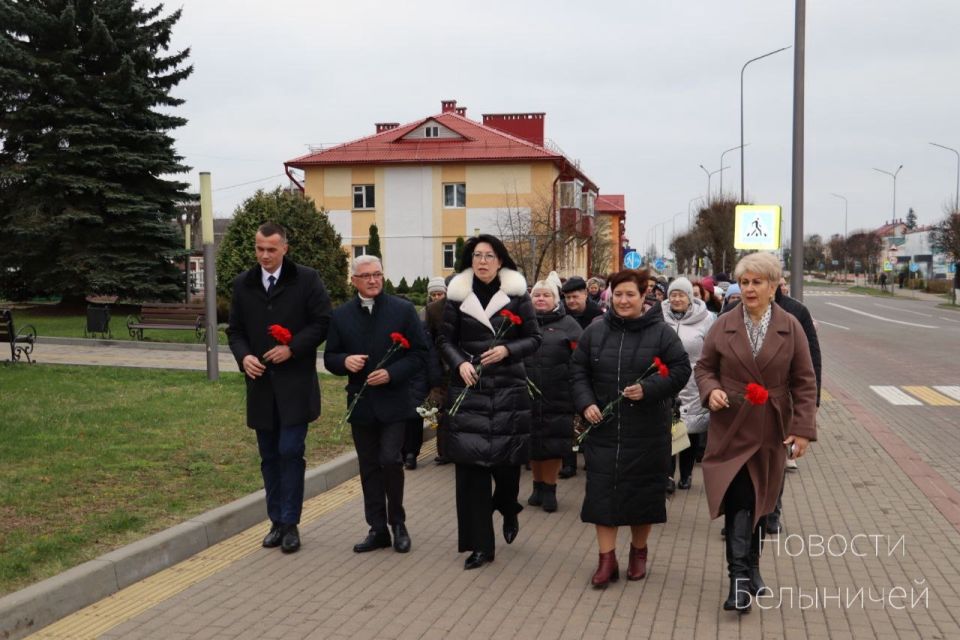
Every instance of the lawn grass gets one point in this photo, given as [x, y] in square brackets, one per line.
[72, 326]
[870, 291]
[98, 457]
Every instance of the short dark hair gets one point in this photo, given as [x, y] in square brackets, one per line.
[466, 258]
[268, 229]
[639, 277]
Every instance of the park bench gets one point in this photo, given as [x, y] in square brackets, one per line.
[168, 315]
[21, 341]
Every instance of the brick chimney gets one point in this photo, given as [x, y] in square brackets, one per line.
[448, 106]
[528, 126]
[462, 111]
[386, 126]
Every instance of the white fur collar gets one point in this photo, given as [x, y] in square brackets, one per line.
[512, 283]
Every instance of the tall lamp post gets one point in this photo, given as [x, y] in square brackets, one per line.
[721, 164]
[845, 203]
[710, 175]
[744, 68]
[893, 175]
[956, 197]
[690, 204]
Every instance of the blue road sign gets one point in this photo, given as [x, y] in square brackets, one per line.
[659, 264]
[632, 260]
[914, 267]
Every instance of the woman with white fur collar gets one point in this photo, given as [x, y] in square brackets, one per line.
[488, 436]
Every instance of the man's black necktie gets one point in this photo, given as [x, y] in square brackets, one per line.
[272, 280]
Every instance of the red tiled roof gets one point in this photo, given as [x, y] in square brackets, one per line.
[610, 204]
[478, 143]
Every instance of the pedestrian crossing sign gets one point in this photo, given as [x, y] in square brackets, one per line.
[757, 227]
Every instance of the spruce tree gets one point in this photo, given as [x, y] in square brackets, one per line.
[85, 111]
[373, 244]
[458, 255]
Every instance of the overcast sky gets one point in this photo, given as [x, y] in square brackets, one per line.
[640, 92]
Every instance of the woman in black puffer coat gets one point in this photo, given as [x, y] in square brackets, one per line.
[627, 452]
[487, 437]
[551, 431]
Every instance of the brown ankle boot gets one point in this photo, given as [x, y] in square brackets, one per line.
[607, 571]
[637, 568]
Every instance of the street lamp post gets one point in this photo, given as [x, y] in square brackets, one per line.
[956, 197]
[837, 195]
[893, 175]
[721, 164]
[744, 68]
[689, 204]
[710, 175]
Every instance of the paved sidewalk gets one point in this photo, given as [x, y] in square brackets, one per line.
[857, 489]
[126, 356]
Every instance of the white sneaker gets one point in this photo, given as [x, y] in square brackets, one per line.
[792, 465]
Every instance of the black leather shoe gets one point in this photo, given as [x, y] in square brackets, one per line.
[401, 539]
[441, 460]
[477, 559]
[567, 472]
[685, 483]
[671, 485]
[374, 540]
[410, 461]
[291, 539]
[511, 527]
[275, 537]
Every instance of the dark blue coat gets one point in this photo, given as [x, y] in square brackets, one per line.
[300, 303]
[355, 331]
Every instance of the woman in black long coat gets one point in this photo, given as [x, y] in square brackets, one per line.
[488, 434]
[627, 451]
[551, 431]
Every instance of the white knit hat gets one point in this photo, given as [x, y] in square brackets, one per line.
[683, 285]
[551, 283]
[436, 284]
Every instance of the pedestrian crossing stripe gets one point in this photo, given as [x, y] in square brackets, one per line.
[915, 395]
[953, 392]
[931, 397]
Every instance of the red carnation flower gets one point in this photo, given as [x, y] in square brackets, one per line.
[398, 338]
[512, 317]
[280, 333]
[662, 369]
[756, 394]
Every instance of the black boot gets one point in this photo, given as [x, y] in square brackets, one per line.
[549, 497]
[536, 498]
[757, 586]
[739, 532]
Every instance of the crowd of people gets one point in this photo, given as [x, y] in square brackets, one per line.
[521, 375]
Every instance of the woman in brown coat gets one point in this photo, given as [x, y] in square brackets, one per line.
[751, 436]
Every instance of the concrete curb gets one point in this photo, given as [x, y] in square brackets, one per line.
[128, 344]
[29, 610]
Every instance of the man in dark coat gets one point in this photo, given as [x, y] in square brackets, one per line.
[283, 391]
[361, 335]
[583, 309]
[798, 310]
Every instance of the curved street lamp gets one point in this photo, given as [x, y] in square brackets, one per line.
[744, 68]
[721, 163]
[893, 175]
[956, 197]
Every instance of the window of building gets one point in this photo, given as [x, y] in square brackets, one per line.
[359, 250]
[363, 196]
[431, 132]
[449, 257]
[455, 195]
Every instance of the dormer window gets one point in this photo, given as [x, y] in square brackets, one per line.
[431, 132]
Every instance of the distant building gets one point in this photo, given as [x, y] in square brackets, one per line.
[610, 238]
[902, 247]
[444, 176]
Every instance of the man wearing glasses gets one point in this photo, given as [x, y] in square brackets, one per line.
[283, 392]
[359, 338]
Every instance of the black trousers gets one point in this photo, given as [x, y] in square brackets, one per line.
[413, 436]
[739, 495]
[381, 472]
[476, 503]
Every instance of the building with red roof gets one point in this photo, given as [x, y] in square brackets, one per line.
[427, 183]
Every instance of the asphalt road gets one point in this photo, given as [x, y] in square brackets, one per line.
[900, 359]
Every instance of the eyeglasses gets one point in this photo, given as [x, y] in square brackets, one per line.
[376, 275]
[484, 257]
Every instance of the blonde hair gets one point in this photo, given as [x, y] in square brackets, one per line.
[761, 263]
